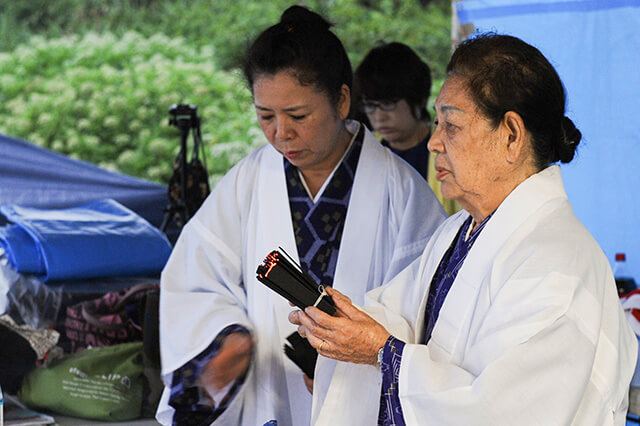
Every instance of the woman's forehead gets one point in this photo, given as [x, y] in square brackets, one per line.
[454, 97]
[284, 79]
[282, 86]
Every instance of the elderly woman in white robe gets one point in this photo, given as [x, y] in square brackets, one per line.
[511, 315]
[352, 213]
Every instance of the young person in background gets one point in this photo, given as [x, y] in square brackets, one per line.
[392, 87]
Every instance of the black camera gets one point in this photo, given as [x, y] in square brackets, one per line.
[184, 116]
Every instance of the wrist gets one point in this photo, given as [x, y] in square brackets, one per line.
[380, 352]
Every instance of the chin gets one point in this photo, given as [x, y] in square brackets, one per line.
[449, 191]
[300, 164]
[389, 136]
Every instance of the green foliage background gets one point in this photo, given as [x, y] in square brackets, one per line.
[94, 78]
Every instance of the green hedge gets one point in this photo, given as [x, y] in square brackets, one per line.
[229, 25]
[75, 78]
[105, 100]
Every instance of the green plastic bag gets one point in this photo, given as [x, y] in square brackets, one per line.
[104, 383]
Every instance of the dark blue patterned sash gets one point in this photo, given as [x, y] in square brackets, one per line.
[318, 226]
[448, 271]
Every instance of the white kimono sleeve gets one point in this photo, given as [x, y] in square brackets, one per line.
[534, 361]
[202, 289]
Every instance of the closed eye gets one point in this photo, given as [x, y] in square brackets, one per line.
[449, 127]
[299, 117]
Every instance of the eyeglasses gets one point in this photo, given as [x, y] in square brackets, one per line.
[369, 107]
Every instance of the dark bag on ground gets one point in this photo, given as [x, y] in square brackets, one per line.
[17, 357]
[116, 317]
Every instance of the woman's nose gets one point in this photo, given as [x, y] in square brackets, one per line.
[435, 143]
[283, 129]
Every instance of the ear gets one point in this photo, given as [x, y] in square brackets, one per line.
[344, 103]
[515, 136]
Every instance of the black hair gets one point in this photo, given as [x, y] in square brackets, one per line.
[302, 44]
[503, 73]
[391, 72]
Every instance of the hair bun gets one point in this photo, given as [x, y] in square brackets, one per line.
[571, 137]
[299, 14]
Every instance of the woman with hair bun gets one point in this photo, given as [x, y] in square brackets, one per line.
[511, 316]
[351, 212]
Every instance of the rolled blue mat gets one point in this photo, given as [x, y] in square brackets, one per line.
[22, 251]
[99, 239]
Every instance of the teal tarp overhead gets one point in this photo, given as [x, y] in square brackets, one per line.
[595, 47]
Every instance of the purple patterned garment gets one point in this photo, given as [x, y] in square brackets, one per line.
[390, 412]
[390, 409]
[318, 226]
[192, 407]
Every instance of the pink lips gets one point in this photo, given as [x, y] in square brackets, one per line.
[292, 155]
[441, 173]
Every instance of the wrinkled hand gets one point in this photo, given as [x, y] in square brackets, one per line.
[231, 362]
[352, 336]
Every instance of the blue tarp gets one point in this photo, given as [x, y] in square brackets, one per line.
[98, 239]
[595, 47]
[36, 177]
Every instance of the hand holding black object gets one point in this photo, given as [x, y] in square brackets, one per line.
[351, 336]
[281, 274]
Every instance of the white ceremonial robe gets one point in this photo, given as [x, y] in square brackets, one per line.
[209, 281]
[531, 332]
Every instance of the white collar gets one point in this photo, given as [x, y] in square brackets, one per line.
[328, 179]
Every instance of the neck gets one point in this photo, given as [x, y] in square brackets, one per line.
[481, 206]
[419, 134]
[315, 177]
[479, 211]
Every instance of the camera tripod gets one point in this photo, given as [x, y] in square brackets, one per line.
[187, 189]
